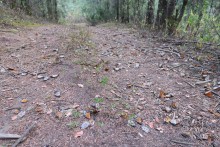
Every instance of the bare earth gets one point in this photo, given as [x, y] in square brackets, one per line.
[121, 71]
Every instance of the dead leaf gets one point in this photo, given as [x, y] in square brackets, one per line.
[209, 94]
[124, 115]
[39, 109]
[139, 120]
[174, 105]
[167, 119]
[59, 114]
[162, 94]
[78, 134]
[24, 101]
[88, 115]
[14, 117]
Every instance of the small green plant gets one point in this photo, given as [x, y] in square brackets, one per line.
[131, 116]
[98, 100]
[72, 125]
[101, 124]
[104, 80]
[76, 114]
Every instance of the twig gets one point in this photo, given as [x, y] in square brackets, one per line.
[215, 93]
[9, 136]
[181, 142]
[24, 135]
[190, 84]
[8, 109]
[167, 51]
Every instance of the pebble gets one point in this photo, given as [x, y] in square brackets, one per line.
[174, 122]
[131, 123]
[2, 70]
[167, 109]
[57, 93]
[54, 76]
[137, 65]
[186, 134]
[145, 129]
[21, 114]
[85, 125]
[46, 78]
[40, 76]
[24, 73]
[116, 69]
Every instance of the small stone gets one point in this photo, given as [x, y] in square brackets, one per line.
[137, 65]
[145, 129]
[46, 78]
[186, 134]
[57, 93]
[174, 122]
[131, 123]
[219, 83]
[167, 109]
[182, 74]
[2, 70]
[62, 56]
[56, 50]
[205, 136]
[116, 69]
[40, 76]
[54, 76]
[140, 107]
[21, 114]
[85, 125]
[80, 85]
[24, 73]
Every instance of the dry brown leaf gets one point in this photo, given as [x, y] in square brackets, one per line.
[139, 120]
[78, 134]
[209, 94]
[167, 119]
[88, 115]
[24, 101]
[162, 94]
[39, 109]
[174, 105]
[59, 114]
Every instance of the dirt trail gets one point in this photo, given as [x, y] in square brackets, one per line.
[118, 70]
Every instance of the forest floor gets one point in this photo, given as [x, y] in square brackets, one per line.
[105, 86]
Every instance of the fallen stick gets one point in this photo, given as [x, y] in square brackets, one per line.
[24, 135]
[9, 136]
[181, 142]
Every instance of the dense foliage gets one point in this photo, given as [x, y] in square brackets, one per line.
[195, 19]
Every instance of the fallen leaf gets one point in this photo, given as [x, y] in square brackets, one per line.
[14, 117]
[59, 114]
[124, 115]
[162, 94]
[174, 105]
[167, 119]
[209, 94]
[88, 115]
[24, 101]
[39, 109]
[78, 134]
[139, 120]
